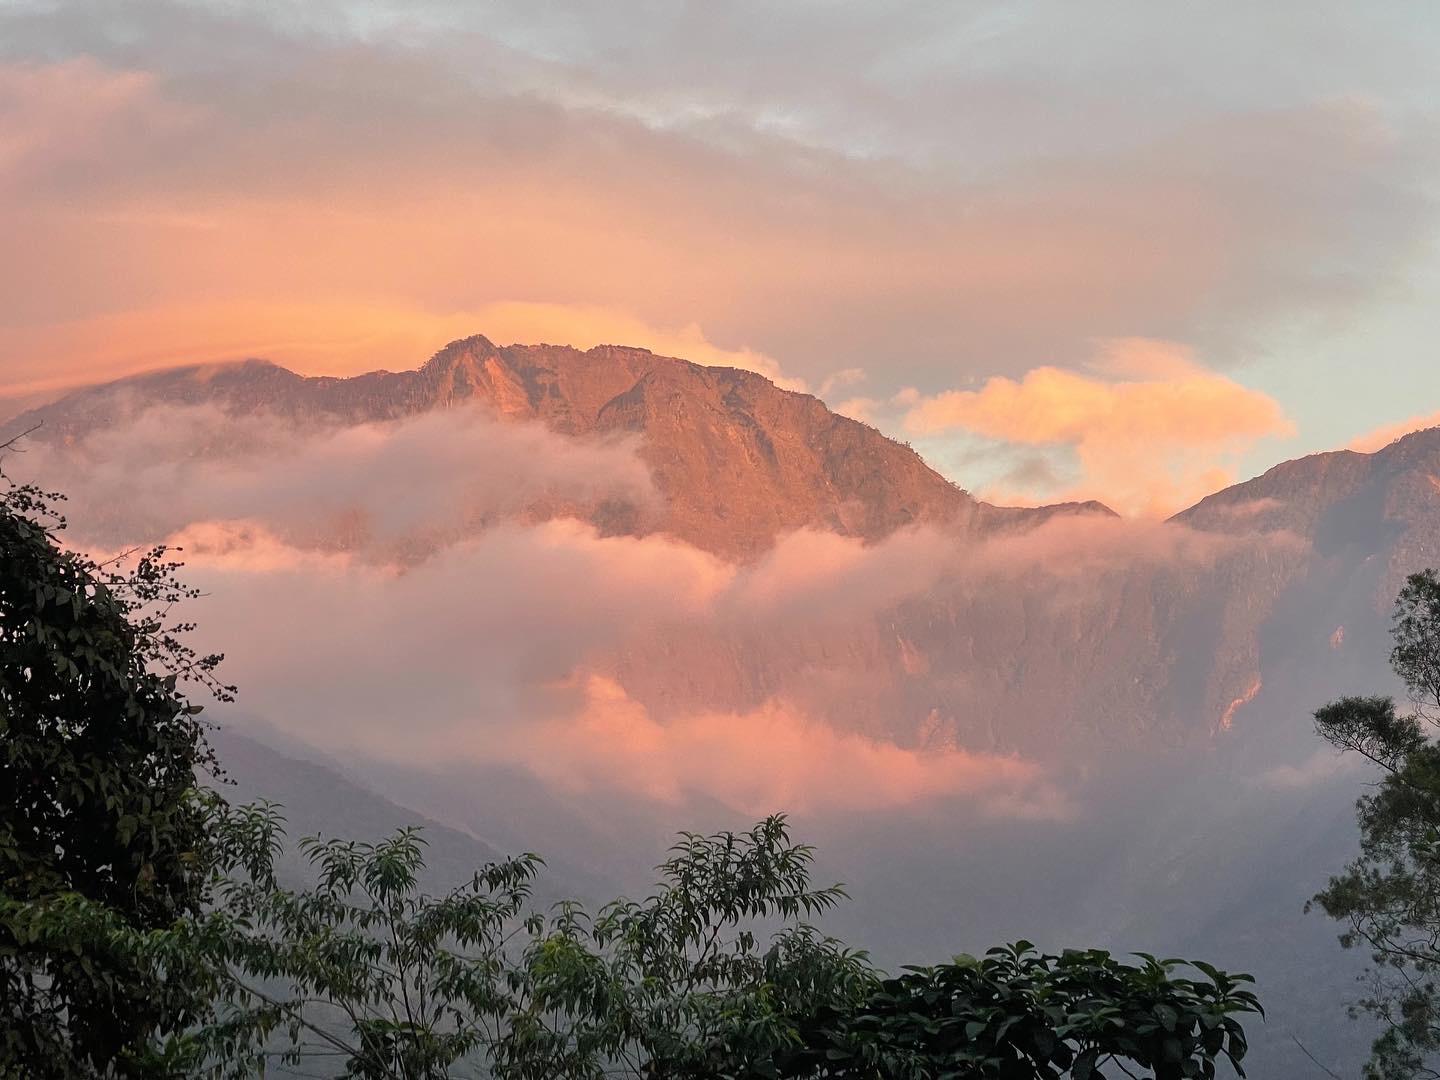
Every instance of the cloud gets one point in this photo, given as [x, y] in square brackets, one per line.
[1076, 548]
[934, 643]
[388, 590]
[857, 408]
[436, 590]
[484, 654]
[1033, 472]
[1385, 434]
[822, 576]
[772, 757]
[839, 380]
[585, 327]
[1147, 424]
[426, 172]
[428, 661]
[379, 488]
[70, 115]
[1322, 766]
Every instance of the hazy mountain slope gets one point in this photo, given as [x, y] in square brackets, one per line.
[1349, 506]
[319, 799]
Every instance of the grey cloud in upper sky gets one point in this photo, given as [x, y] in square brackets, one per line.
[924, 192]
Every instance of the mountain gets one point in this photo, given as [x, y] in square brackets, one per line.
[1088, 633]
[737, 461]
[1380, 509]
[317, 799]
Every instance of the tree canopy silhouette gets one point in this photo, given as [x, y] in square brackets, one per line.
[1389, 896]
[99, 748]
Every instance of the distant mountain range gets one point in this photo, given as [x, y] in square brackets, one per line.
[1301, 566]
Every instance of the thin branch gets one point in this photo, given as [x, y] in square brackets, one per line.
[299, 1017]
[1318, 1064]
[10, 443]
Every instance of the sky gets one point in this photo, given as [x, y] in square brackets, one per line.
[1125, 250]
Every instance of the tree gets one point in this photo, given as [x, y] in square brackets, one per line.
[1389, 896]
[1018, 1013]
[98, 806]
[364, 973]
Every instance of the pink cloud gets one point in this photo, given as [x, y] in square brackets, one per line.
[817, 575]
[1146, 423]
[397, 197]
[768, 758]
[483, 654]
[490, 634]
[378, 487]
[334, 337]
[56, 116]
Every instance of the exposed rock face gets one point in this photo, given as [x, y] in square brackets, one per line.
[737, 460]
[1279, 600]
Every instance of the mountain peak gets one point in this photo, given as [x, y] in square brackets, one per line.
[245, 367]
[459, 351]
[736, 460]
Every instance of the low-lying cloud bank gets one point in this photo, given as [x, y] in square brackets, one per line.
[492, 651]
[773, 756]
[424, 592]
[371, 488]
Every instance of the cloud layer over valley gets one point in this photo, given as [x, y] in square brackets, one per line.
[441, 550]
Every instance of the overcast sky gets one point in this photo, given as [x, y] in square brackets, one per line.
[1121, 250]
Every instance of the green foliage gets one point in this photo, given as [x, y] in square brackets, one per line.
[1020, 1014]
[1416, 656]
[362, 975]
[363, 970]
[1389, 896]
[98, 752]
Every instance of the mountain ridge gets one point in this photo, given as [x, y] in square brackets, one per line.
[1154, 647]
[466, 365]
[738, 460]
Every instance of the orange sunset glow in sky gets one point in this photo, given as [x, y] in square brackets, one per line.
[1123, 251]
